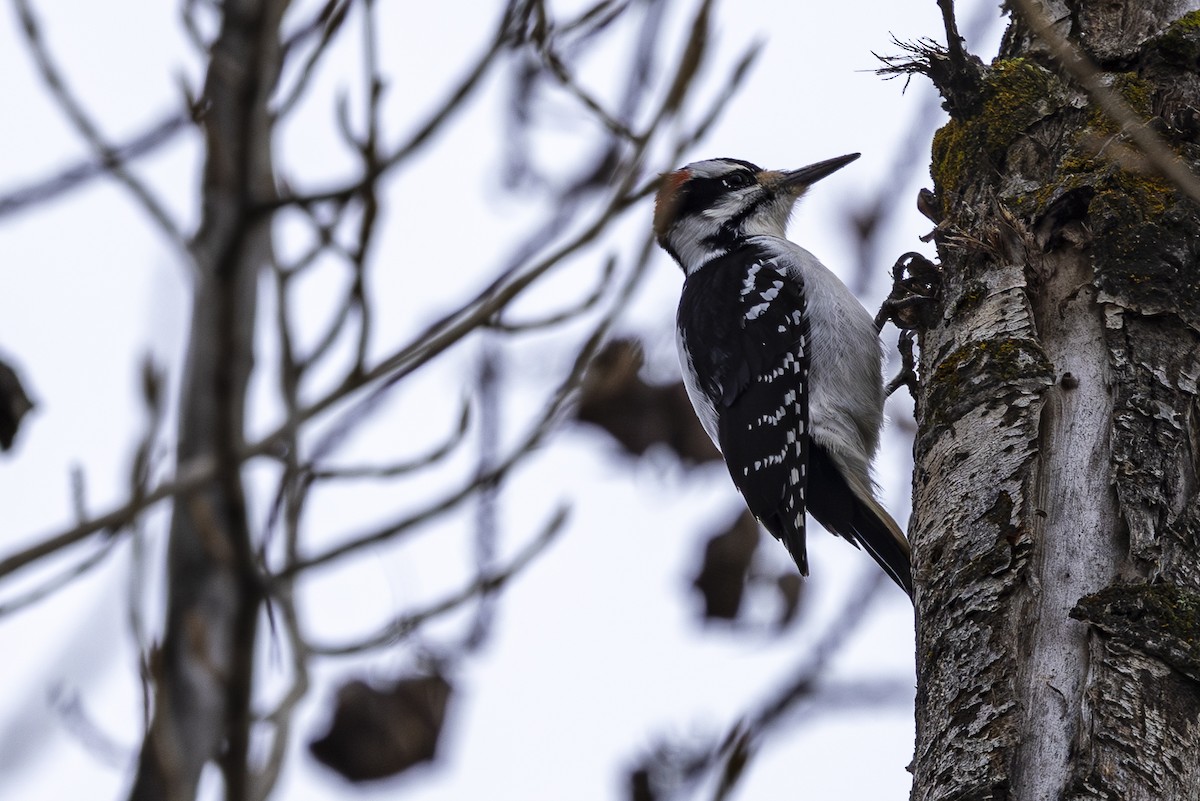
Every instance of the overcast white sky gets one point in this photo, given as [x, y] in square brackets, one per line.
[597, 654]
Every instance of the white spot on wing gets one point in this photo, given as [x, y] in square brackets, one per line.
[748, 283]
[755, 311]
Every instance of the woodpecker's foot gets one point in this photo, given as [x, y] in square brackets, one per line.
[907, 377]
[916, 285]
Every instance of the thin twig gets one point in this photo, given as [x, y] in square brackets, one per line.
[490, 582]
[369, 154]
[57, 582]
[189, 477]
[452, 500]
[559, 70]
[329, 22]
[154, 136]
[519, 452]
[405, 466]
[736, 748]
[565, 315]
[194, 473]
[108, 155]
[417, 139]
[487, 500]
[281, 717]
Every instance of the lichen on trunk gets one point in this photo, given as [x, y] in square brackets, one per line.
[1059, 428]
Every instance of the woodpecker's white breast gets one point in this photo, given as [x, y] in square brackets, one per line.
[701, 402]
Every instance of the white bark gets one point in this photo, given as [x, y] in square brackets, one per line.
[1074, 523]
[1056, 526]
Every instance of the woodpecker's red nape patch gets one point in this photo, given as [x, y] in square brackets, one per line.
[666, 203]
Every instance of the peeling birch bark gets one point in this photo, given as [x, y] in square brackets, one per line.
[1056, 525]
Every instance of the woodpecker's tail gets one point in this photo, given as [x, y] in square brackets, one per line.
[851, 511]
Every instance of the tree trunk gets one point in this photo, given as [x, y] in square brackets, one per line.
[1056, 524]
[204, 669]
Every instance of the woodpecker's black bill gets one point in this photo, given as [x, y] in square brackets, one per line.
[806, 176]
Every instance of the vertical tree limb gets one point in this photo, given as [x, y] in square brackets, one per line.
[204, 671]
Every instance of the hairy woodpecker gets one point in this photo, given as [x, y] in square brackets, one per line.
[780, 360]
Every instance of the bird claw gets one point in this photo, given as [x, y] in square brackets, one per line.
[916, 288]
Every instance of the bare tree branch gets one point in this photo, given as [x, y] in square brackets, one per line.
[224, 571]
[57, 582]
[489, 582]
[733, 751]
[402, 467]
[108, 155]
[424, 133]
[329, 22]
[203, 683]
[154, 136]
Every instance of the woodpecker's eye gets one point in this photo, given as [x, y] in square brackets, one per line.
[737, 180]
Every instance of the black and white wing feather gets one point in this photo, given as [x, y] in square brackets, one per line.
[743, 327]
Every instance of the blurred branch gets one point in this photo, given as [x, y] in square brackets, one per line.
[490, 388]
[223, 571]
[560, 71]
[85, 730]
[735, 750]
[737, 76]
[154, 399]
[328, 21]
[417, 139]
[403, 467]
[281, 717]
[194, 473]
[873, 214]
[544, 424]
[154, 136]
[368, 150]
[489, 582]
[290, 500]
[807, 674]
[289, 497]
[567, 314]
[688, 66]
[191, 474]
[57, 582]
[108, 156]
[469, 488]
[204, 679]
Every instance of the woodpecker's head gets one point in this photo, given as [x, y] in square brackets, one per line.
[706, 208]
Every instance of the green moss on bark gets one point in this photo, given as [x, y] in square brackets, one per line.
[1138, 94]
[1157, 619]
[1017, 93]
[974, 292]
[976, 374]
[1180, 43]
[1144, 247]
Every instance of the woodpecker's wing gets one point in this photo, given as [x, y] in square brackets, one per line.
[751, 355]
